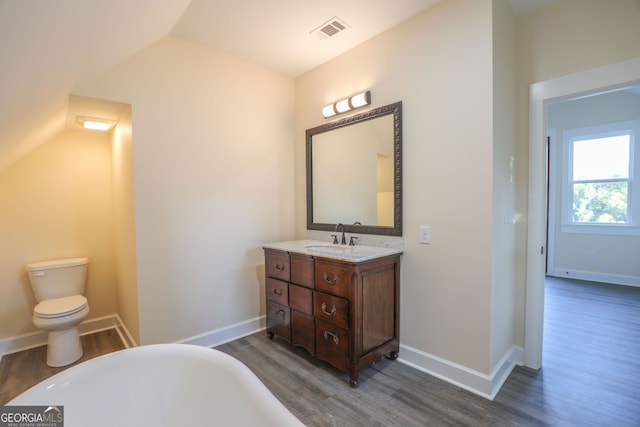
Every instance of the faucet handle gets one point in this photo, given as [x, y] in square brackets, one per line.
[351, 242]
[335, 239]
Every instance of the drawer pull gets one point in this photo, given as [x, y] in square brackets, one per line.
[333, 336]
[331, 282]
[279, 267]
[281, 313]
[333, 311]
[277, 291]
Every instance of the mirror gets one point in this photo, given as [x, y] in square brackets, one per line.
[354, 173]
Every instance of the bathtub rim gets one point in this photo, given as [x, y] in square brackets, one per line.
[43, 392]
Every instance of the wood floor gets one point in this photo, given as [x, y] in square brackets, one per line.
[590, 375]
[19, 371]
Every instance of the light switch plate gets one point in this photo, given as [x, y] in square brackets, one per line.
[425, 234]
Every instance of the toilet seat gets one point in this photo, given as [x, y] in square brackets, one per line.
[60, 307]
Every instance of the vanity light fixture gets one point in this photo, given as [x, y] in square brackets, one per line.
[356, 101]
[94, 123]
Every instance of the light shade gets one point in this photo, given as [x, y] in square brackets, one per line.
[94, 123]
[328, 111]
[356, 101]
[343, 106]
[361, 99]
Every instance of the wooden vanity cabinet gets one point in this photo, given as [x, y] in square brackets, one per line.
[345, 313]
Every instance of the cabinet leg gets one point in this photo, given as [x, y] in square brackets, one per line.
[393, 355]
[353, 377]
[270, 335]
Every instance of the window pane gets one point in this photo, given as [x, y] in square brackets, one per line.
[604, 203]
[601, 158]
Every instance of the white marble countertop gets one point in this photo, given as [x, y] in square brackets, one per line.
[318, 248]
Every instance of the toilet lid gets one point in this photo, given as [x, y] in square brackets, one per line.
[59, 307]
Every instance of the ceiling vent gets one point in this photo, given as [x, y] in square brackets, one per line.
[331, 28]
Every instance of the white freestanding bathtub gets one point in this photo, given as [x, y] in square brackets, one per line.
[160, 385]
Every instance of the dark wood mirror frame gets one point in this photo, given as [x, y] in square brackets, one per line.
[396, 229]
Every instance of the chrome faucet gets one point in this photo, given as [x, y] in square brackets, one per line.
[343, 241]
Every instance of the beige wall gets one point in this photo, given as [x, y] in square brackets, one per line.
[123, 224]
[56, 203]
[506, 280]
[439, 64]
[566, 37]
[575, 35]
[213, 181]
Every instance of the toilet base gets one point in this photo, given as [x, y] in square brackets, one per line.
[63, 347]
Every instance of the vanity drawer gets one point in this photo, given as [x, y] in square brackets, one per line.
[302, 270]
[301, 299]
[277, 291]
[332, 344]
[279, 320]
[332, 277]
[330, 308]
[278, 265]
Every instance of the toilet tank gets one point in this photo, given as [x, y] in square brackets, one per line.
[58, 278]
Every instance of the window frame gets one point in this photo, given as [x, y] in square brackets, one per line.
[569, 136]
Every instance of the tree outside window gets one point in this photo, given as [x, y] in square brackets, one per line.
[600, 179]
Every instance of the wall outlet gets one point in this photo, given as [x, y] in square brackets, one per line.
[425, 234]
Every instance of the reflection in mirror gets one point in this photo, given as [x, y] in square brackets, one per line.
[354, 173]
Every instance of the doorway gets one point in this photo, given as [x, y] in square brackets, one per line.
[591, 232]
[609, 77]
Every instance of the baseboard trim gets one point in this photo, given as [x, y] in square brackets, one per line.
[124, 334]
[484, 385]
[591, 276]
[39, 338]
[228, 333]
[476, 382]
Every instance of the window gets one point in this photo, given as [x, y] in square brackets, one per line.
[599, 180]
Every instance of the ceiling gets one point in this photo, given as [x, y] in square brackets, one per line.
[278, 35]
[50, 47]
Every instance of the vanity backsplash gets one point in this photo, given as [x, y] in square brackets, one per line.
[393, 242]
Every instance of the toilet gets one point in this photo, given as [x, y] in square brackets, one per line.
[59, 286]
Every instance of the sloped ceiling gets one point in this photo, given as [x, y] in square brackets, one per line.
[49, 47]
[279, 35]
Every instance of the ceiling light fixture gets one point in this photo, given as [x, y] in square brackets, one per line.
[94, 123]
[356, 101]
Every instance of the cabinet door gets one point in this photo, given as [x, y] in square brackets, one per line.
[302, 323]
[279, 320]
[303, 331]
[331, 309]
[301, 299]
